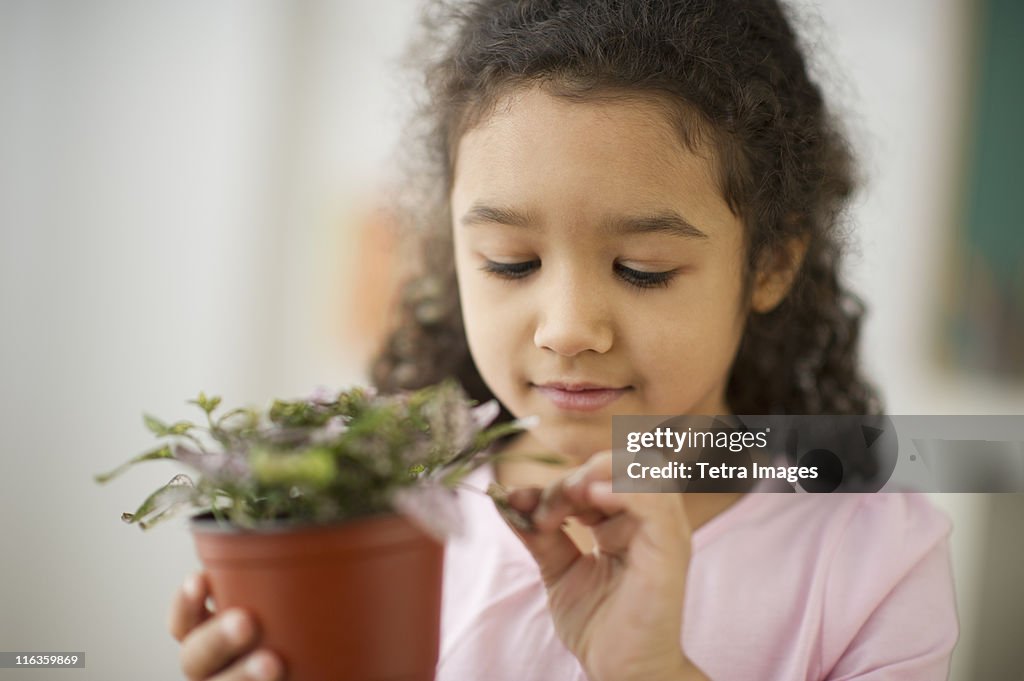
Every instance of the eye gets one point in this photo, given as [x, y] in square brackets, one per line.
[510, 270]
[635, 278]
[645, 280]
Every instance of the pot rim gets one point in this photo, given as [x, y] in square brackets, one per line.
[206, 523]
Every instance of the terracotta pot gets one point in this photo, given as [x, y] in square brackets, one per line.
[356, 601]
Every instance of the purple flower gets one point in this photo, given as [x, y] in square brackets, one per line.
[432, 507]
[330, 431]
[485, 414]
[322, 395]
[230, 465]
[451, 420]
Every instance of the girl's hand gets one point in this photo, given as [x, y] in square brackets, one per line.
[619, 610]
[218, 647]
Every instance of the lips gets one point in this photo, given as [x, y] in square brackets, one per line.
[580, 396]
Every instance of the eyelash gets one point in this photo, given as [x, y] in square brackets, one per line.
[635, 278]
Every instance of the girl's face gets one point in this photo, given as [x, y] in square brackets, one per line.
[592, 247]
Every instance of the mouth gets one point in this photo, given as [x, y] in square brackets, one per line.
[580, 396]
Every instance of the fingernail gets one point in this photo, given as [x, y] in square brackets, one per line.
[601, 488]
[236, 626]
[576, 479]
[261, 666]
[192, 587]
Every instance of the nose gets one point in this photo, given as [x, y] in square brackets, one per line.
[573, 317]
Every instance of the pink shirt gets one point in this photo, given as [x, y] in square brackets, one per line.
[780, 586]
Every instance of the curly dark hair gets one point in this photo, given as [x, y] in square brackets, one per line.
[733, 74]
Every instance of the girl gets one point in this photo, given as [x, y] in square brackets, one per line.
[636, 213]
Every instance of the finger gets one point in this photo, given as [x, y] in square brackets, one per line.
[188, 608]
[614, 535]
[566, 496]
[552, 549]
[524, 499]
[648, 506]
[260, 665]
[597, 467]
[662, 526]
[217, 642]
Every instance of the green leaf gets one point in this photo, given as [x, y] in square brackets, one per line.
[488, 437]
[252, 417]
[159, 453]
[180, 428]
[313, 468]
[207, 404]
[453, 475]
[291, 468]
[155, 425]
[547, 458]
[159, 505]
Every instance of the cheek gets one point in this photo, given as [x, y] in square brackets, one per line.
[486, 321]
[470, 301]
[694, 335]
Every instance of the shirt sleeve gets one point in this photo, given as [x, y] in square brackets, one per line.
[890, 608]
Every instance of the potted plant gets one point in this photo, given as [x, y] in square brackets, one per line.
[323, 517]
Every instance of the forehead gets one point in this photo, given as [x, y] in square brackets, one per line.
[607, 154]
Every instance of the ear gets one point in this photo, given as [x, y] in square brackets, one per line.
[776, 273]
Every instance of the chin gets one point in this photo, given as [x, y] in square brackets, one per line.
[575, 442]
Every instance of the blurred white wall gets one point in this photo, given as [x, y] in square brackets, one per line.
[170, 177]
[137, 261]
[907, 70]
[178, 183]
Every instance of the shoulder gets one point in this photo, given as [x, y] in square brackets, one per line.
[861, 545]
[878, 539]
[835, 528]
[822, 586]
[889, 600]
[877, 569]
[864, 581]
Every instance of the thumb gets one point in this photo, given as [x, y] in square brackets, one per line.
[553, 550]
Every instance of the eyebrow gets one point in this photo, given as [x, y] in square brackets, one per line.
[663, 222]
